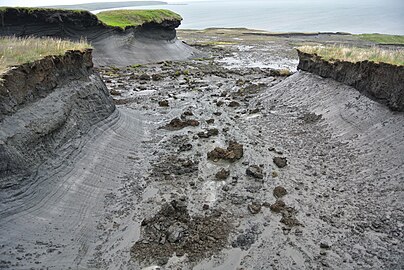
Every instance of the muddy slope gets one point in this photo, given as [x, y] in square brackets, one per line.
[381, 81]
[43, 105]
[113, 46]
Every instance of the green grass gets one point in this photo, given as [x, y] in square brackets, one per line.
[30, 10]
[16, 51]
[382, 39]
[354, 54]
[123, 18]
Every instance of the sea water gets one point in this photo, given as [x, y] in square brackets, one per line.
[353, 16]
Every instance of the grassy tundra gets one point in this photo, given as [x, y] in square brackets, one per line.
[16, 51]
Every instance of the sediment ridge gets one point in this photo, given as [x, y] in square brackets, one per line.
[149, 42]
[380, 81]
[43, 105]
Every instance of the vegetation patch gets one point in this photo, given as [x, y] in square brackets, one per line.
[16, 51]
[123, 18]
[383, 39]
[354, 54]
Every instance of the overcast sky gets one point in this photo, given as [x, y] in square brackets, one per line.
[32, 3]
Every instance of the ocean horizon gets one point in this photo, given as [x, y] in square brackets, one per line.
[373, 16]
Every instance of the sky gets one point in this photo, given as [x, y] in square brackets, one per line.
[33, 3]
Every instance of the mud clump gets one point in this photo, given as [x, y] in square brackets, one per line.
[209, 133]
[279, 192]
[173, 230]
[177, 124]
[163, 103]
[172, 165]
[278, 206]
[281, 162]
[255, 172]
[223, 174]
[254, 208]
[234, 152]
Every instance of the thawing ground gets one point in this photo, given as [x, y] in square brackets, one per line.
[309, 174]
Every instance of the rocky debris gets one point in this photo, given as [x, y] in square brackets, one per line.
[254, 208]
[278, 206]
[234, 152]
[289, 217]
[325, 245]
[173, 230]
[210, 121]
[217, 113]
[185, 114]
[310, 118]
[163, 103]
[281, 162]
[255, 171]
[223, 174]
[144, 77]
[247, 239]
[279, 192]
[185, 147]
[156, 77]
[177, 124]
[173, 165]
[209, 133]
[233, 104]
[219, 103]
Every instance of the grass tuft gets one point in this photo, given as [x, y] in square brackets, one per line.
[17, 51]
[354, 54]
[125, 17]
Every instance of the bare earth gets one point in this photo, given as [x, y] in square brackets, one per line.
[221, 163]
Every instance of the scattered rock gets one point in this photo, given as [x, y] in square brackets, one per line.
[185, 147]
[289, 217]
[281, 162]
[223, 174]
[325, 245]
[219, 103]
[156, 77]
[163, 103]
[177, 124]
[279, 192]
[233, 104]
[255, 171]
[209, 133]
[254, 208]
[233, 152]
[210, 121]
[144, 77]
[217, 113]
[278, 206]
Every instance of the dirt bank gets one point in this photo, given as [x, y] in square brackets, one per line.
[380, 81]
[43, 105]
[146, 43]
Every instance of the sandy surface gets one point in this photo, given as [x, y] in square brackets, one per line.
[140, 192]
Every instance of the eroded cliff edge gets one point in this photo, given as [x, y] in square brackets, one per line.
[150, 42]
[380, 81]
[43, 105]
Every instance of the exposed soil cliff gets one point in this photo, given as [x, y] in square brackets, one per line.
[149, 42]
[43, 105]
[380, 81]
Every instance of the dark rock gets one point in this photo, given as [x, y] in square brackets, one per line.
[255, 171]
[209, 133]
[210, 121]
[217, 113]
[223, 174]
[233, 152]
[185, 147]
[279, 192]
[177, 124]
[325, 245]
[281, 162]
[156, 77]
[233, 104]
[163, 103]
[144, 77]
[309, 118]
[278, 206]
[219, 103]
[254, 208]
[205, 207]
